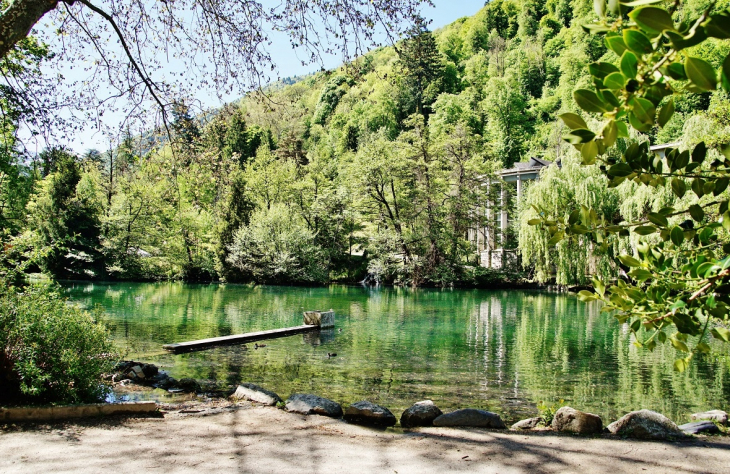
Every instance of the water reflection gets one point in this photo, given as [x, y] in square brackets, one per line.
[500, 350]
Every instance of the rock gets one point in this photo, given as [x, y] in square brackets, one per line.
[369, 414]
[136, 371]
[576, 421]
[527, 424]
[249, 391]
[712, 415]
[313, 405]
[470, 417]
[697, 427]
[645, 424]
[420, 414]
[187, 385]
[149, 370]
[163, 381]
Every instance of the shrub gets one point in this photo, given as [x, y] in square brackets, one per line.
[276, 247]
[50, 352]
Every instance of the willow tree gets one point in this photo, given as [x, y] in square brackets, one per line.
[676, 282]
[569, 261]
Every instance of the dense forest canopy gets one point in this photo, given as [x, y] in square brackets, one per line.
[376, 168]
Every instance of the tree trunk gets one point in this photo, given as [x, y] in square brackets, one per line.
[17, 20]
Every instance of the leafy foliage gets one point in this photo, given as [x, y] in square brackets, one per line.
[50, 351]
[673, 285]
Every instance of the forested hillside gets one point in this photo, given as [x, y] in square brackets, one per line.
[375, 168]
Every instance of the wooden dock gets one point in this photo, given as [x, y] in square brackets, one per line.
[238, 338]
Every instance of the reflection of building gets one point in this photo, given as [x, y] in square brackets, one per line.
[491, 240]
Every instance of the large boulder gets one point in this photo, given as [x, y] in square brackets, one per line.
[576, 421]
[699, 427]
[313, 405]
[254, 393]
[370, 414]
[645, 424]
[527, 424]
[712, 415]
[470, 417]
[420, 414]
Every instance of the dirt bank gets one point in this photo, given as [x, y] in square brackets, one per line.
[245, 438]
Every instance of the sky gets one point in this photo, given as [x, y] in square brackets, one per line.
[287, 62]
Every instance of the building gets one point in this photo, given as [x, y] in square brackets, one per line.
[491, 241]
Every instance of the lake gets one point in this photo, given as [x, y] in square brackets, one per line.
[504, 351]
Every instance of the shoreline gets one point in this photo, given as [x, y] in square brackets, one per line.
[223, 436]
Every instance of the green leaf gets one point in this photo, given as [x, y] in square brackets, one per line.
[677, 235]
[720, 333]
[580, 135]
[644, 110]
[620, 170]
[720, 186]
[638, 3]
[680, 365]
[556, 238]
[653, 20]
[676, 71]
[637, 41]
[726, 74]
[679, 345]
[702, 347]
[645, 230]
[589, 101]
[699, 152]
[579, 229]
[623, 130]
[638, 124]
[601, 69]
[629, 261]
[589, 151]
[610, 133]
[679, 187]
[680, 42]
[586, 296]
[666, 112]
[696, 212]
[614, 81]
[704, 269]
[574, 217]
[719, 25]
[616, 44]
[629, 65]
[698, 187]
[662, 337]
[595, 28]
[700, 73]
[534, 222]
[658, 219]
[641, 275]
[609, 97]
[573, 121]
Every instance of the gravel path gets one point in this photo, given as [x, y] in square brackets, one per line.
[246, 438]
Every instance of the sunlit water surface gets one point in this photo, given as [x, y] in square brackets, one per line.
[504, 351]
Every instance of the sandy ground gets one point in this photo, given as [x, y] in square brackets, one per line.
[246, 438]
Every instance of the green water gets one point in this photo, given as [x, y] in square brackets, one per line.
[504, 351]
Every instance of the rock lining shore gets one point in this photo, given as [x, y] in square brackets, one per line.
[641, 424]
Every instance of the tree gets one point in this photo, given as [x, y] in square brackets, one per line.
[232, 35]
[676, 283]
[65, 216]
[422, 66]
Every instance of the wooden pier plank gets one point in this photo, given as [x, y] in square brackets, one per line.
[238, 338]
